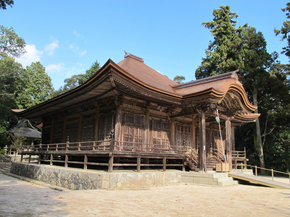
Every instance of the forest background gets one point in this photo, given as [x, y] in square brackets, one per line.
[265, 79]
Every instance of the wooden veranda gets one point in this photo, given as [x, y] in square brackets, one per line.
[112, 153]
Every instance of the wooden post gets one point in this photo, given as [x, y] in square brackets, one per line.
[272, 174]
[172, 132]
[85, 162]
[110, 164]
[202, 141]
[21, 158]
[138, 163]
[229, 142]
[146, 130]
[29, 159]
[66, 161]
[51, 158]
[39, 159]
[193, 134]
[164, 163]
[256, 171]
[118, 125]
[183, 166]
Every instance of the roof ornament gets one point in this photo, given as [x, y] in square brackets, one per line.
[127, 54]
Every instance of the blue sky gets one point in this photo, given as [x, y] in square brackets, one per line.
[67, 36]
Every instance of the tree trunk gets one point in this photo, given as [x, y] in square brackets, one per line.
[259, 146]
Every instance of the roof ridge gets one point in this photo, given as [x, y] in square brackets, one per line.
[232, 74]
[127, 54]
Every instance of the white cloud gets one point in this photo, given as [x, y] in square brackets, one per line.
[74, 71]
[31, 55]
[77, 34]
[51, 47]
[54, 68]
[83, 53]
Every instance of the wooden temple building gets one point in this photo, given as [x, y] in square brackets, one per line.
[129, 115]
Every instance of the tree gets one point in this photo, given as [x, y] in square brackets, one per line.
[90, 72]
[76, 80]
[4, 3]
[224, 52]
[33, 86]
[284, 31]
[9, 73]
[10, 42]
[244, 49]
[178, 79]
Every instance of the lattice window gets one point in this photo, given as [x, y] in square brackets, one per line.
[183, 133]
[88, 129]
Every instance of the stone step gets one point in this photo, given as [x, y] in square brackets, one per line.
[212, 178]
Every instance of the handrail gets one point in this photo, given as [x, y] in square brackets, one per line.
[261, 168]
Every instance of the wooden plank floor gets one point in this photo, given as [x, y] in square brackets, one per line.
[259, 180]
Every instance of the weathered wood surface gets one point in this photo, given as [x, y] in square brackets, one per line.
[259, 180]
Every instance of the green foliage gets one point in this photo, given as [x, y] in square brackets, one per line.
[2, 151]
[4, 3]
[10, 42]
[9, 73]
[178, 79]
[76, 80]
[224, 52]
[33, 86]
[17, 141]
[285, 29]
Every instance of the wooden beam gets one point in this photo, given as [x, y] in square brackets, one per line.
[65, 160]
[202, 141]
[229, 142]
[97, 119]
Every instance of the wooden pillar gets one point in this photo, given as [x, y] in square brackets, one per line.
[118, 125]
[193, 134]
[97, 119]
[21, 158]
[110, 163]
[146, 125]
[138, 163]
[51, 131]
[229, 142]
[233, 139]
[51, 158]
[202, 141]
[85, 161]
[164, 163]
[66, 161]
[29, 159]
[39, 159]
[80, 127]
[172, 132]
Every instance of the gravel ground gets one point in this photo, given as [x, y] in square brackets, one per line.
[21, 198]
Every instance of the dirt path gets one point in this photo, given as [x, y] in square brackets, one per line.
[20, 198]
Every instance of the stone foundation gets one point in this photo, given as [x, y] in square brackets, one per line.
[77, 179]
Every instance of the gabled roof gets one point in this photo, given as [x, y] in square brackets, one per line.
[25, 128]
[132, 77]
